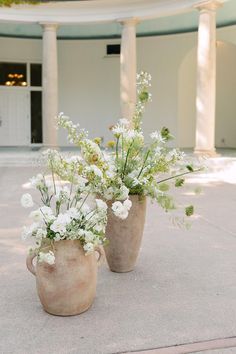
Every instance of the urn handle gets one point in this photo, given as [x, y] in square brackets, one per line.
[101, 257]
[29, 263]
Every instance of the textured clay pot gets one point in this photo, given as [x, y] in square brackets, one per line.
[67, 287]
[125, 236]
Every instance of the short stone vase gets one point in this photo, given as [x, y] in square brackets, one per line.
[125, 236]
[67, 287]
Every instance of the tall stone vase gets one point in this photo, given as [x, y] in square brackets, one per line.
[67, 287]
[125, 236]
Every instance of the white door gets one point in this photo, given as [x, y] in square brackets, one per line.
[14, 117]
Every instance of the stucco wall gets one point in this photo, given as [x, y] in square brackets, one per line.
[89, 83]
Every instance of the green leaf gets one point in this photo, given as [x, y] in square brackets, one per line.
[165, 133]
[189, 210]
[179, 182]
[190, 168]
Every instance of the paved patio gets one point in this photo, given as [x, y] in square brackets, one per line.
[182, 291]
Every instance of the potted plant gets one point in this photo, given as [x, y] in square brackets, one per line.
[130, 171]
[66, 231]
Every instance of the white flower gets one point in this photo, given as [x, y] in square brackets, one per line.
[127, 204]
[124, 121]
[27, 201]
[95, 170]
[81, 181]
[28, 231]
[132, 134]
[62, 193]
[74, 159]
[84, 209]
[36, 215]
[118, 130]
[119, 210]
[122, 214]
[101, 204]
[99, 228]
[89, 236]
[48, 257]
[123, 193]
[73, 213]
[122, 210]
[157, 137]
[47, 213]
[91, 145]
[158, 150]
[135, 182]
[116, 206]
[37, 181]
[59, 225]
[89, 247]
[41, 233]
[110, 174]
[108, 193]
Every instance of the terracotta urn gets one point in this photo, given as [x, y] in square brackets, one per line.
[67, 287]
[125, 236]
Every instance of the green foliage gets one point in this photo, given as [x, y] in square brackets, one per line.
[165, 133]
[190, 168]
[166, 202]
[189, 210]
[179, 182]
[8, 3]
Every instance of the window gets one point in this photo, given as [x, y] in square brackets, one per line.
[13, 74]
[113, 49]
[35, 75]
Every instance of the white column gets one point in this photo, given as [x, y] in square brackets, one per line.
[128, 68]
[50, 84]
[206, 79]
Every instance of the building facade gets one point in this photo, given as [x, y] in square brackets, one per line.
[44, 70]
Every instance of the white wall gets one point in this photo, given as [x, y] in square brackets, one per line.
[89, 83]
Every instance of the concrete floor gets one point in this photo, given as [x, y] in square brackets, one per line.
[183, 289]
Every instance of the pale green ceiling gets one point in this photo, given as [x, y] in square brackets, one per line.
[166, 25]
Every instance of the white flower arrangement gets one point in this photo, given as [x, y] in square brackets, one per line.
[129, 166]
[65, 213]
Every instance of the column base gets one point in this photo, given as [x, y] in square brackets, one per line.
[207, 153]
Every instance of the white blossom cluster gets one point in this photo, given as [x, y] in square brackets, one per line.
[120, 209]
[65, 213]
[129, 165]
[132, 166]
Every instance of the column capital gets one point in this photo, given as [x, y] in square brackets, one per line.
[209, 5]
[131, 21]
[48, 26]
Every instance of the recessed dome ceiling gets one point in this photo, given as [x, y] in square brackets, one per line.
[177, 23]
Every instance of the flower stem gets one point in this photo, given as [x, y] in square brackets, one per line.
[126, 160]
[144, 162]
[179, 175]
